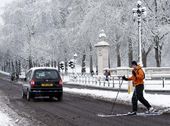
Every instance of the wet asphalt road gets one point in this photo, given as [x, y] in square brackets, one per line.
[74, 110]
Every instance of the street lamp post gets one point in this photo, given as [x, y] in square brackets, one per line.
[139, 11]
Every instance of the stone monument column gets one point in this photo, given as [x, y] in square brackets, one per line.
[102, 48]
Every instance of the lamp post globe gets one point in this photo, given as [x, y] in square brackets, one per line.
[75, 56]
[139, 3]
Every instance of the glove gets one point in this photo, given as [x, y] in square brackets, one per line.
[134, 73]
[124, 78]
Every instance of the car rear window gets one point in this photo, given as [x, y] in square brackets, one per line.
[46, 74]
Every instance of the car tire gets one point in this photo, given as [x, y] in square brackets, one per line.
[28, 96]
[23, 94]
[51, 97]
[60, 97]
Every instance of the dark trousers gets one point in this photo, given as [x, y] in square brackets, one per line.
[138, 95]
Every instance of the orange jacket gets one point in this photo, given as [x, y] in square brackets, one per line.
[140, 76]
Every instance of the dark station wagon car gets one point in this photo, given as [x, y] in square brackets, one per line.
[42, 81]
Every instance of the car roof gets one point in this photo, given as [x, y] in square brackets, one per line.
[42, 68]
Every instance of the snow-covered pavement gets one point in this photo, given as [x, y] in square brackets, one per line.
[154, 99]
[157, 100]
[5, 73]
[5, 120]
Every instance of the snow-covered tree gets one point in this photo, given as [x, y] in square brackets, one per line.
[53, 30]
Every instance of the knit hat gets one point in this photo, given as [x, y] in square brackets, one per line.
[134, 63]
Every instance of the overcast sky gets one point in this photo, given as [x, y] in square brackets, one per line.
[2, 4]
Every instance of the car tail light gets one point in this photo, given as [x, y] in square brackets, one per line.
[60, 82]
[32, 82]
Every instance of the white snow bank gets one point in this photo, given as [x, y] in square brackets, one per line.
[154, 99]
[65, 79]
[5, 73]
[5, 120]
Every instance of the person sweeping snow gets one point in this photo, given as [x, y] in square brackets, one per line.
[137, 79]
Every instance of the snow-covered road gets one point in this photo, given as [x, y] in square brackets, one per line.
[9, 118]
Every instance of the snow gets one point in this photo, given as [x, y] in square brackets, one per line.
[78, 69]
[154, 99]
[38, 68]
[150, 85]
[102, 43]
[5, 73]
[5, 120]
[65, 79]
[3, 3]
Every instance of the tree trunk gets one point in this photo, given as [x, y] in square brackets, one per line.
[30, 62]
[145, 55]
[19, 66]
[156, 37]
[96, 67]
[83, 69]
[9, 62]
[91, 60]
[144, 58]
[118, 55]
[13, 68]
[157, 51]
[66, 66]
[65, 62]
[58, 65]
[91, 64]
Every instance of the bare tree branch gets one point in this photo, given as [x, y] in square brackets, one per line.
[153, 32]
[149, 49]
[164, 35]
[148, 6]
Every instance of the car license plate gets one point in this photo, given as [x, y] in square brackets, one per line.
[46, 85]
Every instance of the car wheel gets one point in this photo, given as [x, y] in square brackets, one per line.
[51, 97]
[60, 97]
[28, 95]
[23, 94]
